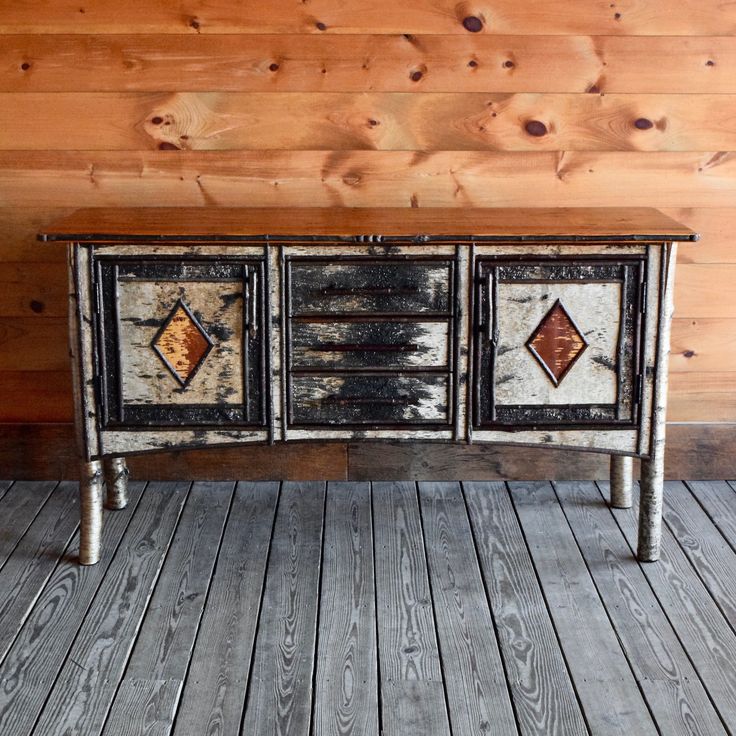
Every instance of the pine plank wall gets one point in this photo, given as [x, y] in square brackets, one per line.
[412, 103]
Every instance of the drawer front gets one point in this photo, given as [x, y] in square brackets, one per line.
[558, 343]
[363, 285]
[182, 341]
[370, 344]
[355, 399]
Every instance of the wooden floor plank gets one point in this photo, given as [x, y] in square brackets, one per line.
[543, 695]
[412, 688]
[704, 632]
[280, 690]
[477, 694]
[38, 653]
[18, 508]
[4, 487]
[718, 498]
[161, 653]
[81, 697]
[608, 692]
[346, 685]
[35, 558]
[709, 553]
[676, 697]
[144, 707]
[214, 693]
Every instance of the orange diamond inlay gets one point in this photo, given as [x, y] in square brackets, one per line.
[556, 343]
[182, 343]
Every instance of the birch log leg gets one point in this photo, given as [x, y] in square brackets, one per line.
[652, 469]
[621, 473]
[116, 482]
[90, 491]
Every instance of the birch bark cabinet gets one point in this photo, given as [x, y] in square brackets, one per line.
[194, 327]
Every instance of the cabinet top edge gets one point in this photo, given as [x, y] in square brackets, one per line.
[227, 224]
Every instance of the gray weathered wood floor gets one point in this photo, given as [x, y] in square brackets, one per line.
[354, 608]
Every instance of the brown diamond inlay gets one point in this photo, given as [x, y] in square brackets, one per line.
[182, 343]
[557, 343]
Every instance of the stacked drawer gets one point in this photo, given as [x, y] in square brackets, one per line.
[370, 342]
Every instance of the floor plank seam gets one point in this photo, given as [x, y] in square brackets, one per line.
[201, 614]
[563, 654]
[432, 604]
[28, 525]
[474, 540]
[687, 484]
[312, 728]
[257, 629]
[146, 608]
[699, 575]
[83, 618]
[663, 608]
[375, 617]
[637, 679]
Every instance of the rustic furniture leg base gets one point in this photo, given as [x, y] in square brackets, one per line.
[90, 491]
[621, 474]
[116, 481]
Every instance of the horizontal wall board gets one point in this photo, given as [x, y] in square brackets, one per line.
[367, 178]
[703, 345]
[705, 290]
[638, 17]
[702, 397]
[366, 63]
[340, 121]
[30, 289]
[36, 396]
[49, 451]
[694, 451]
[18, 228]
[717, 227]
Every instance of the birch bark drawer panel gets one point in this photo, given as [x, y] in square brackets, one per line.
[181, 341]
[370, 399]
[560, 341]
[385, 344]
[350, 285]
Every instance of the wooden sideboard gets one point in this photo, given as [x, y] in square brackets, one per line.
[195, 327]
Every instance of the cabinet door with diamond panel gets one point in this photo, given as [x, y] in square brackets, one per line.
[181, 341]
[558, 342]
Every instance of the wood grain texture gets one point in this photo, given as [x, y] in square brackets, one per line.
[702, 345]
[544, 698]
[346, 683]
[40, 650]
[19, 506]
[143, 708]
[366, 63]
[367, 178]
[340, 121]
[711, 555]
[33, 561]
[213, 698]
[503, 16]
[673, 691]
[703, 631]
[605, 684]
[512, 223]
[96, 660]
[717, 499]
[280, 689]
[478, 697]
[159, 662]
[412, 691]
